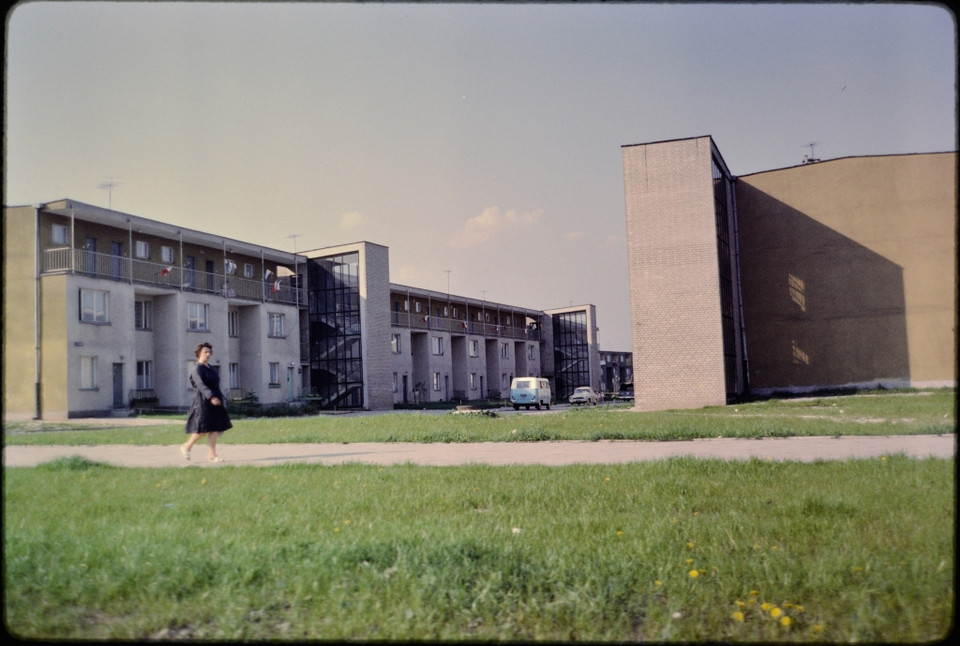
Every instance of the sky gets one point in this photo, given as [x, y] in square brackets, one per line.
[480, 142]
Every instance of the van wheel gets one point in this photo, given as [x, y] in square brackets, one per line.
[528, 406]
[516, 407]
[548, 406]
[538, 406]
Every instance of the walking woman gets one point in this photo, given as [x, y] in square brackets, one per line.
[208, 415]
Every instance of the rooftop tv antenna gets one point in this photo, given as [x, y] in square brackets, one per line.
[109, 185]
[811, 158]
[294, 236]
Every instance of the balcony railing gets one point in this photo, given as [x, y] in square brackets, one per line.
[454, 326]
[106, 266]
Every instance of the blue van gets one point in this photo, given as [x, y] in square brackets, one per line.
[530, 391]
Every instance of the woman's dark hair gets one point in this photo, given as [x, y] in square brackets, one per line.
[201, 347]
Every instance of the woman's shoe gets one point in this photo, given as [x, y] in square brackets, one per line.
[214, 459]
[185, 453]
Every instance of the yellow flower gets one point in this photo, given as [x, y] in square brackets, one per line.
[658, 582]
[775, 612]
[689, 561]
[346, 522]
[619, 532]
[739, 603]
[785, 622]
[694, 574]
[737, 615]
[765, 606]
[754, 593]
[690, 545]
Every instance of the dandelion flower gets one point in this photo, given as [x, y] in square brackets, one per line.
[765, 606]
[694, 574]
[737, 615]
[690, 545]
[689, 561]
[785, 622]
[754, 593]
[775, 612]
[658, 582]
[739, 603]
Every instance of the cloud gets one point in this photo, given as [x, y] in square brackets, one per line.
[352, 220]
[491, 223]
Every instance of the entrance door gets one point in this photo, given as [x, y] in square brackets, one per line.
[289, 384]
[406, 400]
[116, 260]
[90, 255]
[118, 385]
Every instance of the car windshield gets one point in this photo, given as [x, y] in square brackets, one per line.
[582, 390]
[524, 384]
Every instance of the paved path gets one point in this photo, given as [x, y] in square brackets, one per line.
[804, 449]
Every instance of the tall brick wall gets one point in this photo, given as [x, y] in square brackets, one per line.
[674, 281]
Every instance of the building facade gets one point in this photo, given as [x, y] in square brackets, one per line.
[682, 252]
[830, 274]
[104, 309]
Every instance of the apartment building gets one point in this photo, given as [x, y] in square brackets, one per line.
[103, 309]
[838, 273]
[375, 344]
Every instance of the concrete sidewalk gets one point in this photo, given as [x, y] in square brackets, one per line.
[802, 449]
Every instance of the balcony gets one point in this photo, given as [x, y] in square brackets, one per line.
[454, 326]
[173, 277]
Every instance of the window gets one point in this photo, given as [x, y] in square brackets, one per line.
[88, 373]
[531, 352]
[233, 323]
[274, 374]
[395, 380]
[474, 348]
[142, 249]
[234, 375]
[395, 343]
[166, 254]
[144, 374]
[505, 350]
[59, 234]
[473, 381]
[436, 381]
[276, 326]
[143, 316]
[436, 344]
[94, 306]
[247, 270]
[504, 382]
[416, 307]
[197, 317]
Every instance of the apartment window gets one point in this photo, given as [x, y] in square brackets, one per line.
[198, 317]
[276, 326]
[233, 323]
[531, 352]
[456, 312]
[234, 369]
[58, 234]
[395, 343]
[142, 249]
[505, 350]
[504, 382]
[416, 307]
[88, 373]
[473, 381]
[436, 381]
[166, 254]
[274, 374]
[395, 381]
[143, 316]
[144, 374]
[436, 344]
[474, 348]
[94, 306]
[247, 270]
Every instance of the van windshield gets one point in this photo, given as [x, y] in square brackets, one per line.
[524, 383]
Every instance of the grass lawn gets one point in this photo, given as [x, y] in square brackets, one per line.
[675, 550]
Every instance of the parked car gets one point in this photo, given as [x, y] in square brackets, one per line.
[530, 391]
[584, 395]
[626, 391]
